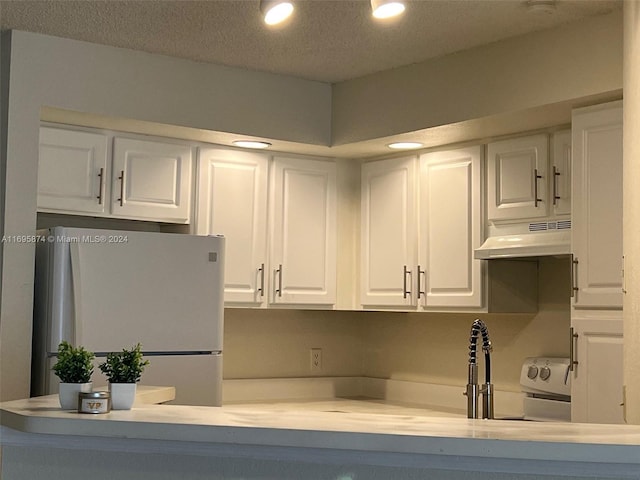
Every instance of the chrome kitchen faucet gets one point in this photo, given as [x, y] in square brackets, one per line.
[473, 389]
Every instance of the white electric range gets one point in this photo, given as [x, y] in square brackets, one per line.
[546, 381]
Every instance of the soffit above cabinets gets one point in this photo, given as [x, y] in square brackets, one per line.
[471, 131]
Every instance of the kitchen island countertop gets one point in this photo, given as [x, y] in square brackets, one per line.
[340, 427]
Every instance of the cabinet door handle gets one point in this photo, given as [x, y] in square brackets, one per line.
[574, 276]
[405, 292]
[420, 291]
[573, 341]
[535, 187]
[261, 289]
[100, 185]
[278, 291]
[121, 178]
[556, 174]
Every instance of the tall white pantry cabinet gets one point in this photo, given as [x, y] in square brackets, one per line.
[420, 222]
[596, 314]
[279, 216]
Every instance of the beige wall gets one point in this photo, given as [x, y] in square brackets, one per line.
[433, 347]
[631, 224]
[276, 343]
[423, 347]
[542, 68]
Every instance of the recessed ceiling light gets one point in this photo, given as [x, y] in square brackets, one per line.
[251, 144]
[275, 11]
[387, 8]
[404, 145]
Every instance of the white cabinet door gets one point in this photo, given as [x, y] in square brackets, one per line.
[597, 379]
[561, 173]
[72, 171]
[517, 178]
[450, 229]
[151, 180]
[304, 232]
[597, 206]
[232, 201]
[388, 233]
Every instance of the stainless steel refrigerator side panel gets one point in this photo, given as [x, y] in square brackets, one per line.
[41, 295]
[53, 312]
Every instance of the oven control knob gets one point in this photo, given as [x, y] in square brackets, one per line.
[545, 373]
[532, 372]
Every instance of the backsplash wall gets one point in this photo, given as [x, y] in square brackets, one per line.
[276, 343]
[433, 347]
[422, 347]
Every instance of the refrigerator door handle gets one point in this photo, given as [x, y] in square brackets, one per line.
[170, 353]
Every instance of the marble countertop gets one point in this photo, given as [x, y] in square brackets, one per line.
[148, 394]
[346, 424]
[353, 425]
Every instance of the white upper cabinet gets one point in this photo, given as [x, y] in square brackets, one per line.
[141, 180]
[232, 201]
[450, 229]
[597, 206]
[419, 230]
[151, 180]
[388, 233]
[561, 173]
[303, 232]
[72, 172]
[518, 178]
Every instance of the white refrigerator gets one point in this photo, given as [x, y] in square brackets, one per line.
[108, 290]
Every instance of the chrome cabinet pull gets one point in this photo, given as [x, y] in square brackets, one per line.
[261, 289]
[121, 178]
[278, 291]
[100, 185]
[556, 174]
[405, 292]
[573, 343]
[420, 291]
[535, 188]
[574, 276]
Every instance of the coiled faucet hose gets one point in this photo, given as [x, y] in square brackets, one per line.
[479, 328]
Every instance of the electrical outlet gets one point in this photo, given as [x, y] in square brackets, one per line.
[316, 359]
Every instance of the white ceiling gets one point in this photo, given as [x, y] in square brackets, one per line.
[325, 40]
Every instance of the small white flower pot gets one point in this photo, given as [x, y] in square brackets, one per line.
[68, 394]
[122, 395]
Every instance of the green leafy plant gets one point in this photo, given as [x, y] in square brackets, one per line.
[74, 364]
[125, 366]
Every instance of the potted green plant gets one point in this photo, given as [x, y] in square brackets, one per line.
[74, 369]
[123, 370]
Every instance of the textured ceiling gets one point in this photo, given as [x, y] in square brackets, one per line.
[325, 40]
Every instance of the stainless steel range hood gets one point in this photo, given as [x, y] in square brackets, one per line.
[527, 240]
